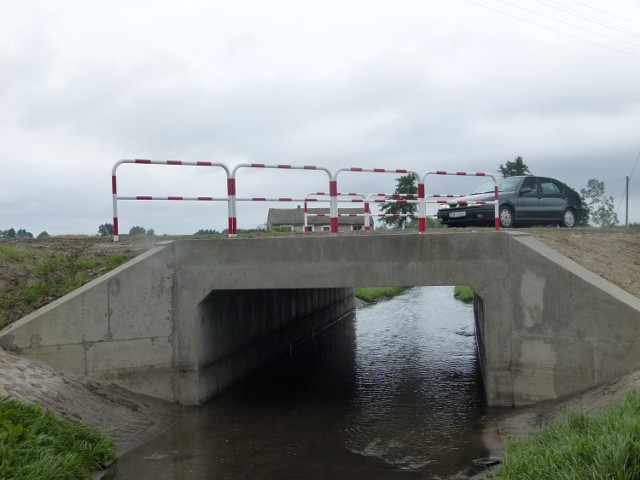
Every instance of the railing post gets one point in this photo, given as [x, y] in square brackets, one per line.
[333, 210]
[231, 193]
[422, 208]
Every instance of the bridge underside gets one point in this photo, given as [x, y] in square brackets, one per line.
[188, 318]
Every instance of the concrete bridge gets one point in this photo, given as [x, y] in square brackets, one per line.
[189, 318]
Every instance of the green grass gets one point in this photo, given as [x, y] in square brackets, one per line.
[35, 445]
[372, 294]
[463, 293]
[11, 253]
[603, 447]
[41, 278]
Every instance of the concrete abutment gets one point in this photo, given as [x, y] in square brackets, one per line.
[186, 319]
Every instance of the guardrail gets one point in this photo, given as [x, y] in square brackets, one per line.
[421, 199]
[360, 199]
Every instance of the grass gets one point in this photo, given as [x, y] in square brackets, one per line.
[41, 277]
[14, 254]
[373, 294]
[464, 293]
[603, 447]
[35, 445]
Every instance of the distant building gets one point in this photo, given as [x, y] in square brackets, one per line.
[293, 219]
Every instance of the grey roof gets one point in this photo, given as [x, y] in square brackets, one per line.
[295, 216]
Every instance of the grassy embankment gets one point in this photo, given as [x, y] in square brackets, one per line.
[35, 445]
[463, 293]
[373, 294]
[32, 278]
[580, 447]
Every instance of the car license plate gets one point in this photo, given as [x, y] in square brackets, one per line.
[457, 214]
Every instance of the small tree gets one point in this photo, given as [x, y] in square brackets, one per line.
[105, 229]
[22, 233]
[515, 168]
[597, 207]
[137, 231]
[404, 185]
[43, 234]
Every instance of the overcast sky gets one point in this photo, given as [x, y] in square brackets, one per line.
[421, 85]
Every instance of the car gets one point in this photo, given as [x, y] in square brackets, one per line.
[522, 200]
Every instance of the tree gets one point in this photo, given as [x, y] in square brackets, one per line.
[404, 185]
[43, 234]
[105, 229]
[515, 168]
[597, 207]
[137, 231]
[22, 233]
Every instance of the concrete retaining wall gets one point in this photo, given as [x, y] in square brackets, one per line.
[136, 327]
[547, 328]
[119, 327]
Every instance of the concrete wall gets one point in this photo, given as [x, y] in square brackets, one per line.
[142, 327]
[119, 327]
[570, 329]
[547, 327]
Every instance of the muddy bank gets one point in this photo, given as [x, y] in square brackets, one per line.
[129, 418]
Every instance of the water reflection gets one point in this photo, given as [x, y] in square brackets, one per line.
[393, 393]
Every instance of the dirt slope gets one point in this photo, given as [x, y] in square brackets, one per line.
[613, 254]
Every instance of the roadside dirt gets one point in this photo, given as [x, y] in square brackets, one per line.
[613, 254]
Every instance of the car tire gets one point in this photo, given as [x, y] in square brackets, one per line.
[506, 217]
[568, 218]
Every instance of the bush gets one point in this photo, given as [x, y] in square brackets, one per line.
[137, 231]
[464, 293]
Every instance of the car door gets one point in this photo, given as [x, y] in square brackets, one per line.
[529, 206]
[554, 199]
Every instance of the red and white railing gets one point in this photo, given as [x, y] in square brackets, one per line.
[233, 223]
[114, 185]
[400, 198]
[421, 199]
[333, 188]
[360, 199]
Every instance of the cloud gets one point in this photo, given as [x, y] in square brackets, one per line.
[408, 85]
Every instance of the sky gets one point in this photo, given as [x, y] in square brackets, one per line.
[459, 85]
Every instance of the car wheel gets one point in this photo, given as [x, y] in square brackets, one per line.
[568, 218]
[506, 217]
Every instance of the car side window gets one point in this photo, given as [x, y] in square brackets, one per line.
[549, 188]
[529, 186]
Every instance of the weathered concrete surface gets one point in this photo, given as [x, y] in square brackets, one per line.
[547, 327]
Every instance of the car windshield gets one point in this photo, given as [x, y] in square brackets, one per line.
[504, 185]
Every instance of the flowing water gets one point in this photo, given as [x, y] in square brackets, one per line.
[392, 393]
